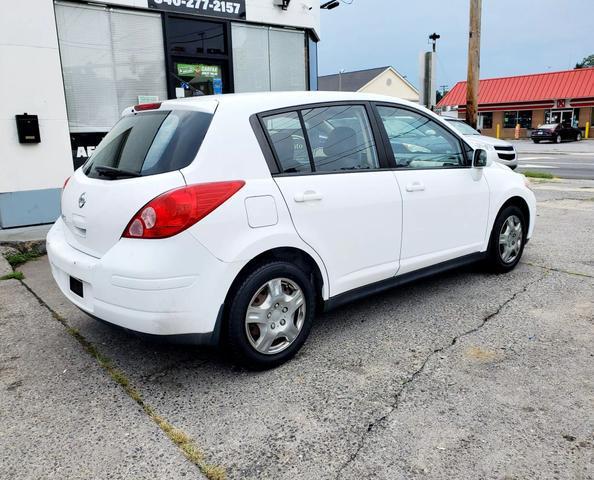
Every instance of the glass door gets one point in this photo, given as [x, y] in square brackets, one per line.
[191, 77]
[561, 116]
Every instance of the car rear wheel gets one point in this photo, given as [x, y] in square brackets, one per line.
[558, 139]
[535, 141]
[578, 137]
[507, 239]
[271, 315]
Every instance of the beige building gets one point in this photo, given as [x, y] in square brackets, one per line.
[382, 80]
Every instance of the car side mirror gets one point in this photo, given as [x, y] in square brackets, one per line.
[479, 158]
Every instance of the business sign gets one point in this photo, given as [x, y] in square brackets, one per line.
[83, 145]
[210, 8]
[198, 70]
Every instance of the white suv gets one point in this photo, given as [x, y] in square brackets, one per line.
[235, 218]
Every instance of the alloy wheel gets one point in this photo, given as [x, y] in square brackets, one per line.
[510, 239]
[275, 316]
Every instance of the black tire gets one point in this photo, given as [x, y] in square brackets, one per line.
[495, 261]
[558, 139]
[578, 137]
[536, 141]
[237, 340]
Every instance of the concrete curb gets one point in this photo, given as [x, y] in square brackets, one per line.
[5, 268]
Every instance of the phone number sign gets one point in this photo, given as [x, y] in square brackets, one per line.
[211, 8]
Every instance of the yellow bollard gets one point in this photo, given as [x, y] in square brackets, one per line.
[587, 130]
[498, 134]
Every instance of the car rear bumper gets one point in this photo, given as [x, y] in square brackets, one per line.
[171, 287]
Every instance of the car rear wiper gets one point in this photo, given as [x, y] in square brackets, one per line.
[113, 172]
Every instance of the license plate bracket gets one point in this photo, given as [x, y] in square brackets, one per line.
[76, 287]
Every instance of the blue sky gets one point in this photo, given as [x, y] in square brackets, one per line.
[518, 37]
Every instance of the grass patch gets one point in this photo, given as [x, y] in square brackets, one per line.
[17, 259]
[543, 175]
[13, 275]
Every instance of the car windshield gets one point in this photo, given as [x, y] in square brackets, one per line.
[549, 126]
[462, 127]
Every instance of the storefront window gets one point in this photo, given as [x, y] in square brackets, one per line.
[111, 59]
[512, 118]
[195, 37]
[525, 118]
[486, 120]
[268, 59]
[313, 64]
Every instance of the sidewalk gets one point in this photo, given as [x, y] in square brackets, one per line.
[61, 416]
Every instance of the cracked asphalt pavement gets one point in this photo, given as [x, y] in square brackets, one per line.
[464, 375]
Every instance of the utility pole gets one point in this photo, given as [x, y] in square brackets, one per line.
[474, 58]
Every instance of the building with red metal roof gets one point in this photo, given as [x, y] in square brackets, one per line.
[529, 100]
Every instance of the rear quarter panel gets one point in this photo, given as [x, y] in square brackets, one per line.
[230, 151]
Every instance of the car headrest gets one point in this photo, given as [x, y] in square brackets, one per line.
[341, 142]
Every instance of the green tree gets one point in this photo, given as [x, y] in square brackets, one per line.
[586, 62]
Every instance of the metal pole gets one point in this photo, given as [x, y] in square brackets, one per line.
[474, 55]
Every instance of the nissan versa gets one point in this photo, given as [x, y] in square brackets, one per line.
[236, 218]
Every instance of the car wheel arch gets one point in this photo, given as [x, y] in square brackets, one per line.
[297, 256]
[519, 202]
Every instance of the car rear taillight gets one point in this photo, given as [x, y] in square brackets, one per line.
[147, 106]
[172, 212]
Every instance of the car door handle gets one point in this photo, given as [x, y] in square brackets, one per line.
[415, 187]
[307, 196]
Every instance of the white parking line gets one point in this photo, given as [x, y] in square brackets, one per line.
[528, 165]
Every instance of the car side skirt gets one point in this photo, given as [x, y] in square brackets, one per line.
[398, 280]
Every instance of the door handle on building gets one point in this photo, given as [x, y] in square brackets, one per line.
[307, 196]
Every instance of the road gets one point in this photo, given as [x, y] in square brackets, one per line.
[568, 160]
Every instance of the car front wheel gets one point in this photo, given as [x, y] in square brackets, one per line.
[270, 316]
[578, 137]
[535, 141]
[558, 139]
[507, 239]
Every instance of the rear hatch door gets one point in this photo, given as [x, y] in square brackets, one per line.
[138, 159]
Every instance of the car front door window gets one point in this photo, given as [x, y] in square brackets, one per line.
[418, 141]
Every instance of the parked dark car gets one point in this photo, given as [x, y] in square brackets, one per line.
[556, 132]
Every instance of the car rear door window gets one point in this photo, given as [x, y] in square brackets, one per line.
[288, 142]
[149, 143]
[418, 141]
[341, 139]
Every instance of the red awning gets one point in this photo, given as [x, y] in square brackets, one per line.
[571, 84]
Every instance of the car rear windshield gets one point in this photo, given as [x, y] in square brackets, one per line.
[149, 143]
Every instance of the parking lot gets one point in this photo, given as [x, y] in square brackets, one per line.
[464, 375]
[565, 160]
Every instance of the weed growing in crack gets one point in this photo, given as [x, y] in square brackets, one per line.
[16, 275]
[18, 259]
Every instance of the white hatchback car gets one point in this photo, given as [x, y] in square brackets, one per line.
[235, 218]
